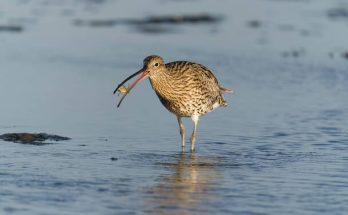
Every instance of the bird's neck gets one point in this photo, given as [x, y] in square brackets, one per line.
[162, 83]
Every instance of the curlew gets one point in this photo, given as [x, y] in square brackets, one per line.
[186, 89]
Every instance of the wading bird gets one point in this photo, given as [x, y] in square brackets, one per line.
[186, 89]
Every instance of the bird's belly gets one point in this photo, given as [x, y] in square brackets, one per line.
[190, 107]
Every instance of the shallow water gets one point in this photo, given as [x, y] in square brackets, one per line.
[278, 148]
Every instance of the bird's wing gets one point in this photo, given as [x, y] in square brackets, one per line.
[193, 75]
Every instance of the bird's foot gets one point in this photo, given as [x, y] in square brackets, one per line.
[193, 149]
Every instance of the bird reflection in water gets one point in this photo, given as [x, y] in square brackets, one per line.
[188, 189]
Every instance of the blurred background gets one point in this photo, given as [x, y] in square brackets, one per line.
[279, 148]
[57, 55]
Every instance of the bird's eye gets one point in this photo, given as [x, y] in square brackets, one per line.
[156, 64]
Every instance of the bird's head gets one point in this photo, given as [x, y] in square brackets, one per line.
[153, 64]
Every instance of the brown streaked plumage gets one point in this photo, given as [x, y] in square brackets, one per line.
[186, 89]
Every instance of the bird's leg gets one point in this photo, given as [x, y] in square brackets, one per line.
[193, 136]
[182, 132]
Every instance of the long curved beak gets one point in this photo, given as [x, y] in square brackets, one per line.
[143, 73]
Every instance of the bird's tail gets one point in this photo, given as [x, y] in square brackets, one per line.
[223, 90]
[226, 90]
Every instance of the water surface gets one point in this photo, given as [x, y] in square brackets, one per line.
[278, 148]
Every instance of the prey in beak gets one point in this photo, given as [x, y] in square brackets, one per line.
[142, 74]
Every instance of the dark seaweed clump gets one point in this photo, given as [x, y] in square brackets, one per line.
[254, 23]
[166, 19]
[345, 55]
[154, 24]
[31, 138]
[11, 28]
[338, 13]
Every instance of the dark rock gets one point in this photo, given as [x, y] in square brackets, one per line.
[254, 23]
[11, 28]
[345, 55]
[167, 19]
[31, 138]
[338, 13]
[199, 18]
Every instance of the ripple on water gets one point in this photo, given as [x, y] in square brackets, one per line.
[331, 131]
[332, 115]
